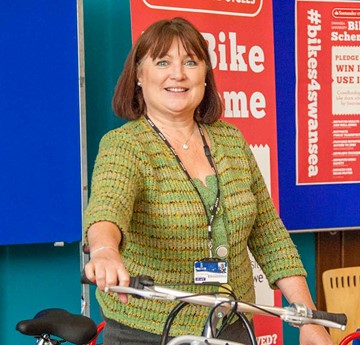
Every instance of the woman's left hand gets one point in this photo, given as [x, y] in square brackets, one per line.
[314, 335]
[295, 289]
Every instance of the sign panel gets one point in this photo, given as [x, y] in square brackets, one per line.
[324, 202]
[248, 9]
[328, 92]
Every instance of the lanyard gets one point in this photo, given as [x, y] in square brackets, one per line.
[210, 219]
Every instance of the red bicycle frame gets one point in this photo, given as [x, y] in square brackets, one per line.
[350, 337]
[100, 327]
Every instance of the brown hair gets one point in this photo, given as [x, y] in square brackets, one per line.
[155, 41]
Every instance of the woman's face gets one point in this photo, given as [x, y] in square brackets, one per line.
[173, 85]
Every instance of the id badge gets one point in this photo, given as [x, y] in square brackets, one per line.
[210, 271]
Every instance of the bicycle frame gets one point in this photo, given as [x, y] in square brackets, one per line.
[100, 327]
[350, 337]
[190, 339]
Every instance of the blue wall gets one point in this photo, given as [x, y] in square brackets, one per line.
[33, 277]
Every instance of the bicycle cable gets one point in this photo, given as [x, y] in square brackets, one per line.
[169, 321]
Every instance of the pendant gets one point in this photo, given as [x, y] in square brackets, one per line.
[221, 251]
[185, 146]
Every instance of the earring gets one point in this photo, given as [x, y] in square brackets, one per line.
[139, 83]
[205, 84]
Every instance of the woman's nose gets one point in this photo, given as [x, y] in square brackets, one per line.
[178, 71]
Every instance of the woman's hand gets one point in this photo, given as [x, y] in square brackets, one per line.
[314, 335]
[106, 267]
[295, 289]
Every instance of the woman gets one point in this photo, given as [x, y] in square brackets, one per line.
[175, 185]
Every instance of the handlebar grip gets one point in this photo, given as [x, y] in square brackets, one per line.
[338, 318]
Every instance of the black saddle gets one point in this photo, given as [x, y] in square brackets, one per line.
[76, 329]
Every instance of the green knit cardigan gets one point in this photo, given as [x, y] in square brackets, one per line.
[138, 185]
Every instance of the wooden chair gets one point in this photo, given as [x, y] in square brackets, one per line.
[342, 295]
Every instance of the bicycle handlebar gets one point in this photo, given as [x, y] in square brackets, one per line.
[296, 314]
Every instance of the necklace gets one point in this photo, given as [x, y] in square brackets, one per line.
[215, 207]
[184, 145]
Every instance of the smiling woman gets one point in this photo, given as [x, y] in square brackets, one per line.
[174, 186]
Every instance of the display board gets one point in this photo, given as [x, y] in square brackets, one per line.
[40, 140]
[318, 134]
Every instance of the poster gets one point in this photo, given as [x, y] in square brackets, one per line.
[241, 47]
[328, 92]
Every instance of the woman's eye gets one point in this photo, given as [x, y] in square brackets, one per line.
[190, 63]
[162, 63]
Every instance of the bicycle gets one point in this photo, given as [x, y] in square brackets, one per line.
[221, 307]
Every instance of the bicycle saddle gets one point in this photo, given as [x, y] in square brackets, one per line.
[77, 329]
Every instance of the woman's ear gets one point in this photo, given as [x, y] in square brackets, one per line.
[139, 75]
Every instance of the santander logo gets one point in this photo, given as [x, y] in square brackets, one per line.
[242, 8]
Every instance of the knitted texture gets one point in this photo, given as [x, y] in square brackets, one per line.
[138, 185]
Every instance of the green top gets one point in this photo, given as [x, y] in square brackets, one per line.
[138, 185]
[218, 232]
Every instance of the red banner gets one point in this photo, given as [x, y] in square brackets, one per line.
[328, 92]
[241, 46]
[241, 49]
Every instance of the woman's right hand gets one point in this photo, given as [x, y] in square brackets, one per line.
[106, 268]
